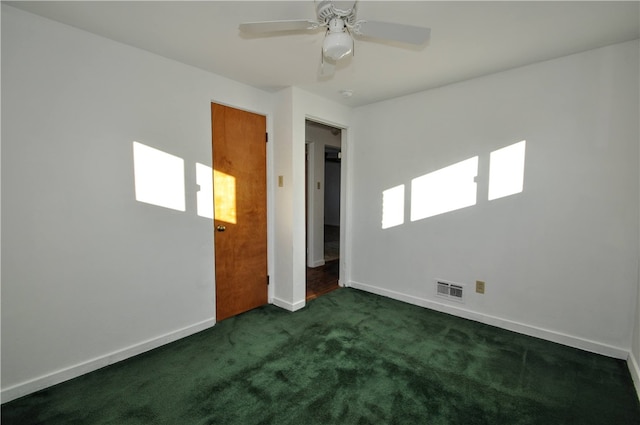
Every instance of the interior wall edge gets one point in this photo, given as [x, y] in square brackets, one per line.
[634, 370]
[295, 306]
[25, 388]
[521, 328]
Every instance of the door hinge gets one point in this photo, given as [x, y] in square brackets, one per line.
[267, 280]
[266, 137]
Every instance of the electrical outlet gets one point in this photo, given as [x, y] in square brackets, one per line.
[479, 287]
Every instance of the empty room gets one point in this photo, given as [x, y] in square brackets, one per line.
[159, 216]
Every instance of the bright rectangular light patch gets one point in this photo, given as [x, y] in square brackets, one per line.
[204, 196]
[159, 177]
[506, 175]
[224, 197]
[393, 207]
[444, 190]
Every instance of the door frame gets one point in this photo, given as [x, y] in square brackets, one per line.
[343, 276]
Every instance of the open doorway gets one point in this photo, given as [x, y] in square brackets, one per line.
[323, 170]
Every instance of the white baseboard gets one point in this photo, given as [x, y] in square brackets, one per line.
[287, 305]
[28, 387]
[317, 263]
[634, 369]
[549, 335]
[59, 376]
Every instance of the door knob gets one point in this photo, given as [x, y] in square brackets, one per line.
[221, 228]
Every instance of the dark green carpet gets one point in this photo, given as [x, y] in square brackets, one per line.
[348, 358]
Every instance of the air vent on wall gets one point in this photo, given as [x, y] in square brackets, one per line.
[452, 291]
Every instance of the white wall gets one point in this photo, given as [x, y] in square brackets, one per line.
[560, 259]
[315, 201]
[283, 199]
[90, 275]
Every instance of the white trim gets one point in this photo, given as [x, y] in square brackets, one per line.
[287, 305]
[549, 335]
[45, 381]
[634, 369]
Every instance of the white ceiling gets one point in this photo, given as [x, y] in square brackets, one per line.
[468, 39]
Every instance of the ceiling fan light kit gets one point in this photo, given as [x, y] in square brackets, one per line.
[338, 42]
[341, 27]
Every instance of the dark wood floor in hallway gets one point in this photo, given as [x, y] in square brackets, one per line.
[322, 280]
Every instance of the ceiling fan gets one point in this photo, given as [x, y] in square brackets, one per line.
[341, 25]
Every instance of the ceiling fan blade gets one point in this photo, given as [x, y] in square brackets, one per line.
[394, 32]
[275, 26]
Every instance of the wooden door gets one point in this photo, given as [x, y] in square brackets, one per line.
[240, 210]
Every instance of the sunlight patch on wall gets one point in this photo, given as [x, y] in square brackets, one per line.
[393, 207]
[225, 197]
[204, 196]
[506, 173]
[444, 190]
[159, 177]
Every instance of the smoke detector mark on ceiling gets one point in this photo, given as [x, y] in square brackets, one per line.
[346, 93]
